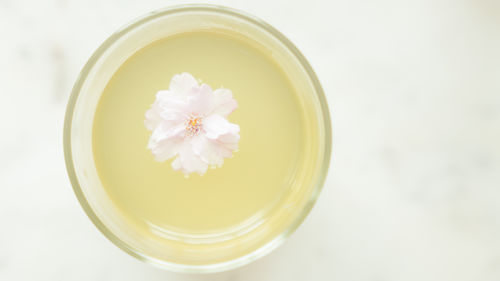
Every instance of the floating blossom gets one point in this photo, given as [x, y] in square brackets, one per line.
[189, 123]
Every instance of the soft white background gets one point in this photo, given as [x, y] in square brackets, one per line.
[414, 186]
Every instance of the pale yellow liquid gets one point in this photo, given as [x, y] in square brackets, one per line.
[247, 187]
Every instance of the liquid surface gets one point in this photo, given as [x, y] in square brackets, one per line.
[154, 196]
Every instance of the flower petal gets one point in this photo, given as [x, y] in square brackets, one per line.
[188, 162]
[153, 118]
[173, 117]
[165, 108]
[229, 141]
[223, 102]
[216, 125]
[165, 131]
[199, 100]
[169, 99]
[208, 150]
[165, 149]
[183, 83]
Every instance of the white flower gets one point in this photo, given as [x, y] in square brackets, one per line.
[188, 122]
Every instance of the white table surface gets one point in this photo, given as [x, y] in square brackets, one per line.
[414, 186]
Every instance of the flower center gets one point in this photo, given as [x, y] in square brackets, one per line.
[193, 125]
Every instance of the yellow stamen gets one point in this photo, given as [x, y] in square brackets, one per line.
[193, 125]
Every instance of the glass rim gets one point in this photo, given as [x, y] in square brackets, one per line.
[264, 249]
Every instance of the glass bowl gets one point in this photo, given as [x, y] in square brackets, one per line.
[203, 256]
